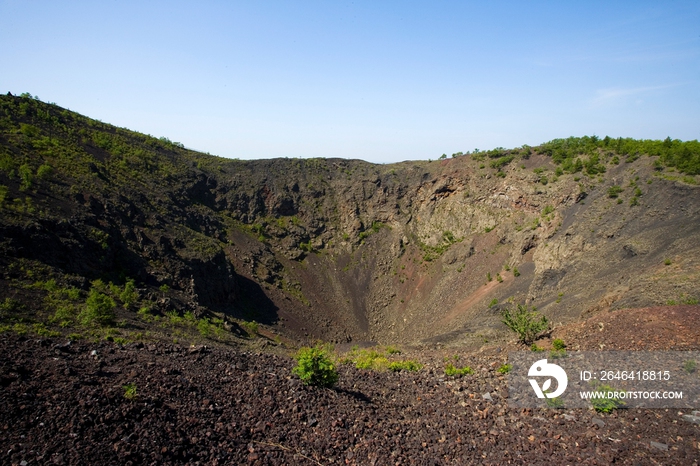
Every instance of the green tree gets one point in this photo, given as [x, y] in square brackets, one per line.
[26, 177]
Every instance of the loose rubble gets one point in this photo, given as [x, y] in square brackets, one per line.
[68, 404]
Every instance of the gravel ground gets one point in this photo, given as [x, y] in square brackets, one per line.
[65, 403]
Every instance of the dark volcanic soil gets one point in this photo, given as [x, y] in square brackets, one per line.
[64, 404]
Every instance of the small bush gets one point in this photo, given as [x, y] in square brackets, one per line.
[251, 328]
[99, 308]
[558, 344]
[408, 365]
[557, 354]
[606, 405]
[26, 176]
[556, 403]
[504, 369]
[130, 391]
[614, 191]
[315, 367]
[44, 171]
[690, 366]
[452, 371]
[174, 317]
[516, 273]
[528, 324]
[129, 295]
[370, 359]
[11, 305]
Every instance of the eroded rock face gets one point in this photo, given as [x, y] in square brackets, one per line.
[343, 249]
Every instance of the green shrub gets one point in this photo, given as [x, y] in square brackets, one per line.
[11, 305]
[493, 302]
[557, 354]
[689, 366]
[26, 177]
[251, 328]
[555, 402]
[408, 365]
[392, 350]
[129, 295]
[44, 171]
[606, 405]
[174, 317]
[99, 308]
[452, 371]
[203, 327]
[315, 367]
[504, 369]
[41, 330]
[130, 391]
[558, 344]
[528, 324]
[614, 191]
[516, 273]
[370, 359]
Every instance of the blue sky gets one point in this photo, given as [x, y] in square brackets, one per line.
[379, 81]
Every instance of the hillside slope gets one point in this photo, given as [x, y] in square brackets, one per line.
[342, 250]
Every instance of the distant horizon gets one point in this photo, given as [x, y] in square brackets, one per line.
[381, 82]
[447, 155]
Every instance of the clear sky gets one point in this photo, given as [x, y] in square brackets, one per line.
[376, 80]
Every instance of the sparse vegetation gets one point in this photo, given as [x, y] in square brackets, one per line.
[452, 371]
[408, 365]
[251, 328]
[614, 191]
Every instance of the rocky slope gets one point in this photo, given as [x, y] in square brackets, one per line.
[341, 250]
[101, 403]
